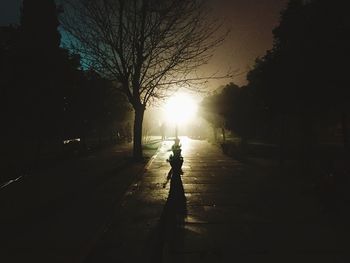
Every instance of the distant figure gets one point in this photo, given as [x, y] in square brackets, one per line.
[162, 131]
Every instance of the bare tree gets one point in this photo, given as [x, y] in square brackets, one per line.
[148, 47]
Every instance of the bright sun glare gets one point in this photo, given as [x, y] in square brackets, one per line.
[180, 109]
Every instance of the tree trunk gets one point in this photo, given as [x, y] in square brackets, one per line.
[215, 133]
[307, 143]
[344, 123]
[282, 139]
[137, 151]
[223, 134]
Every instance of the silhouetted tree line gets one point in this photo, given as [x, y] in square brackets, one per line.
[231, 108]
[299, 90]
[46, 96]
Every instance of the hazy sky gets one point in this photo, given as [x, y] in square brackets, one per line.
[250, 21]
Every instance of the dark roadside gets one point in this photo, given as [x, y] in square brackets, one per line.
[326, 168]
[55, 214]
[324, 176]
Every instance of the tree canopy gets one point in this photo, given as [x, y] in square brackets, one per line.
[304, 71]
[302, 79]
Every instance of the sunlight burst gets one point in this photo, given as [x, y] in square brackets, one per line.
[180, 109]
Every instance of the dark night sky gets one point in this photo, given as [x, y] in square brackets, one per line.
[250, 21]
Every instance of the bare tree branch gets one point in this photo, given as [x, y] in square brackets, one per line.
[150, 47]
[146, 45]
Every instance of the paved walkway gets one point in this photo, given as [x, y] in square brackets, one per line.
[58, 214]
[219, 211]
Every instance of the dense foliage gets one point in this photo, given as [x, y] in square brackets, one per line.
[46, 97]
[297, 93]
[232, 108]
[299, 87]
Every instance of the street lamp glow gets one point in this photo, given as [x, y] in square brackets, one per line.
[180, 109]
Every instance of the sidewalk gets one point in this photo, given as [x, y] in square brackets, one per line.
[57, 215]
[229, 213]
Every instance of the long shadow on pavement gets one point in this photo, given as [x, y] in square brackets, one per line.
[171, 226]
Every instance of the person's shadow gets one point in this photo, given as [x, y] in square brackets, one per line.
[172, 221]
